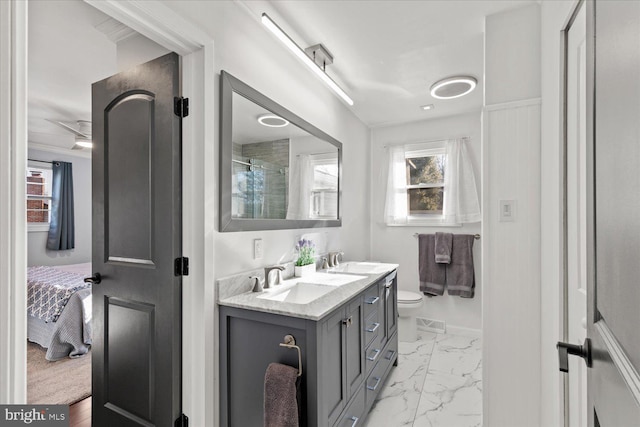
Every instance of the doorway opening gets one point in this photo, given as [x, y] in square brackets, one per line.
[71, 45]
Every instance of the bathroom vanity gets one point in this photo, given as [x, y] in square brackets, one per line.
[347, 339]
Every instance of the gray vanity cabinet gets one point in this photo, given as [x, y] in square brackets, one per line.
[342, 358]
[346, 357]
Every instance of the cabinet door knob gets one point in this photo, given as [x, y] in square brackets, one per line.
[348, 321]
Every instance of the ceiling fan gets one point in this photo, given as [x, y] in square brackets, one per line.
[82, 133]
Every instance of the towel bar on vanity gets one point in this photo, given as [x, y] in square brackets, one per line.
[290, 342]
[475, 236]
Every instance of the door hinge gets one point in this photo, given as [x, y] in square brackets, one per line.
[181, 266]
[181, 106]
[182, 421]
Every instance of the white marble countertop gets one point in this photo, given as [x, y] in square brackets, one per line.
[314, 310]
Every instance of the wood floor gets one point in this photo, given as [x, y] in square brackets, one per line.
[80, 413]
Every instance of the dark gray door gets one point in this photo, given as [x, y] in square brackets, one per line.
[613, 94]
[136, 238]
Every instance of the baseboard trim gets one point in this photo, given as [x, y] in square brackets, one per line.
[464, 332]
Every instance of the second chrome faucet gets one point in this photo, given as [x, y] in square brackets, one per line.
[268, 277]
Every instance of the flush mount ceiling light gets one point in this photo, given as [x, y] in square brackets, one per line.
[453, 87]
[272, 121]
[308, 61]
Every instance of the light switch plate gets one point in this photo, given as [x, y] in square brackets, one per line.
[257, 249]
[508, 210]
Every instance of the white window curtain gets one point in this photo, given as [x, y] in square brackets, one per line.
[300, 184]
[395, 209]
[461, 203]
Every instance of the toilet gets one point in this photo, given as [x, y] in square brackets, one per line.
[409, 305]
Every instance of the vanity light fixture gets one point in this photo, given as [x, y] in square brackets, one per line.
[453, 87]
[272, 121]
[427, 107]
[309, 62]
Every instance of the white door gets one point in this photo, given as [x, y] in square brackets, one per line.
[576, 214]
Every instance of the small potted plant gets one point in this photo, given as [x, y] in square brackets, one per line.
[306, 262]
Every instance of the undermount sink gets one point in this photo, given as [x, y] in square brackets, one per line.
[303, 290]
[300, 293]
[353, 267]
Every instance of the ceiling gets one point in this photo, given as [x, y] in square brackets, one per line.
[66, 55]
[387, 54]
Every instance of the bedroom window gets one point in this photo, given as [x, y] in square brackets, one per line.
[39, 178]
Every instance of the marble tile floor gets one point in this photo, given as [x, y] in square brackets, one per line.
[437, 383]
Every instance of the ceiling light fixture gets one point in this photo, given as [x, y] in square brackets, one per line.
[272, 121]
[427, 107]
[453, 87]
[309, 62]
[83, 143]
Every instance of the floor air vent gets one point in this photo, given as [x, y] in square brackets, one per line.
[431, 325]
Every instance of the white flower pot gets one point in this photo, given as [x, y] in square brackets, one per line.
[304, 270]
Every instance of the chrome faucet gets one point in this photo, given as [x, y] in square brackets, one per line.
[267, 275]
[257, 284]
[333, 258]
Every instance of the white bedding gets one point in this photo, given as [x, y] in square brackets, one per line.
[70, 335]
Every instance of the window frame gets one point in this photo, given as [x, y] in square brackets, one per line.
[420, 151]
[38, 226]
[319, 160]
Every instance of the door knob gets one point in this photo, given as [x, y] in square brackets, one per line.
[565, 349]
[94, 280]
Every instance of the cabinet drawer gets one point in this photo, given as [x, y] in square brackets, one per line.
[371, 300]
[355, 412]
[373, 354]
[376, 379]
[372, 327]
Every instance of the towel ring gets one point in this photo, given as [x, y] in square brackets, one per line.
[290, 342]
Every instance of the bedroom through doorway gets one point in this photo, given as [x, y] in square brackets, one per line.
[71, 46]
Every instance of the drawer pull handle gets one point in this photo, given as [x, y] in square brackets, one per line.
[375, 386]
[375, 356]
[373, 327]
[372, 300]
[390, 354]
[355, 421]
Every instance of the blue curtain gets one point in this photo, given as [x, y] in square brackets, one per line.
[62, 226]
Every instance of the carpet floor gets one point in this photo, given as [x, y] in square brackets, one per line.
[62, 382]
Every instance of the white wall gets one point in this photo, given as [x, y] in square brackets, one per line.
[555, 16]
[245, 49]
[38, 254]
[136, 50]
[511, 171]
[397, 244]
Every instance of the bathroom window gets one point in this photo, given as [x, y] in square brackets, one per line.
[425, 182]
[38, 182]
[431, 183]
[324, 192]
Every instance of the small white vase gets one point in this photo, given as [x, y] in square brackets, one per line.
[304, 270]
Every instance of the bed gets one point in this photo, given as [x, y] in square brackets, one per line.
[59, 309]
